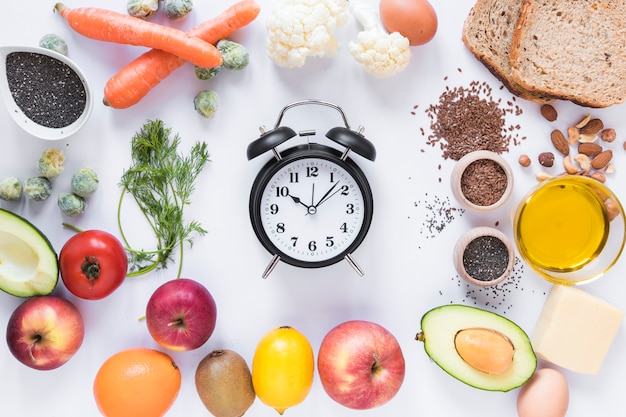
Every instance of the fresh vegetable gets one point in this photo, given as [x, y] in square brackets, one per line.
[54, 43]
[28, 261]
[110, 26]
[207, 73]
[161, 181]
[298, 29]
[382, 54]
[71, 204]
[142, 9]
[206, 103]
[134, 81]
[84, 182]
[234, 55]
[38, 188]
[10, 189]
[177, 9]
[93, 264]
[415, 19]
[478, 347]
[50, 163]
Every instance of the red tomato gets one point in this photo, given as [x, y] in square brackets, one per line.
[93, 264]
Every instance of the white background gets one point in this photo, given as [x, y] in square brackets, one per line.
[408, 267]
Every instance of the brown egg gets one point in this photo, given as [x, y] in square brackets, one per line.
[546, 394]
[414, 19]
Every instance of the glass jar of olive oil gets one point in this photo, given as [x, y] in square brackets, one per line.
[570, 229]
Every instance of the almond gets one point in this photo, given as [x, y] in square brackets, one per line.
[549, 113]
[559, 142]
[589, 148]
[594, 126]
[602, 159]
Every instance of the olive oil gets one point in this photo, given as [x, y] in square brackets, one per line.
[562, 226]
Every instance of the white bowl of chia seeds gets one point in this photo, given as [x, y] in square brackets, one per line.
[45, 92]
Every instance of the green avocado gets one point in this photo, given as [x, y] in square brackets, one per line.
[28, 263]
[444, 331]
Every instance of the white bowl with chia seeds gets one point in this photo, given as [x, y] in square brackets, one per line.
[45, 92]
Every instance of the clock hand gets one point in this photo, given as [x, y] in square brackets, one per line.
[324, 197]
[327, 198]
[313, 194]
[297, 200]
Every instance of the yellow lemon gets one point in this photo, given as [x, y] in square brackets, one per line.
[282, 368]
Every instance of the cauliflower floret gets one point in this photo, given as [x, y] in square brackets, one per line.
[382, 54]
[298, 29]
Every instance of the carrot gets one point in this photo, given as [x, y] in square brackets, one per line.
[110, 26]
[138, 78]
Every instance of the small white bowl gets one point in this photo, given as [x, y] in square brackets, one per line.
[457, 175]
[30, 126]
[462, 244]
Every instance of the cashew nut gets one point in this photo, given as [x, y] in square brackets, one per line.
[584, 161]
[569, 167]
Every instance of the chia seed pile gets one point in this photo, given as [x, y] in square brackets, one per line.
[483, 182]
[48, 91]
[468, 119]
[485, 258]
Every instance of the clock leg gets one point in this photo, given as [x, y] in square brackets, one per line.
[354, 265]
[271, 266]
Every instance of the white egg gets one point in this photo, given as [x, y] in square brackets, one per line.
[546, 394]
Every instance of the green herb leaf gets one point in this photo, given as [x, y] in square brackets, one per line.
[161, 182]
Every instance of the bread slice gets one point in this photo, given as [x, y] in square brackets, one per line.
[573, 50]
[487, 34]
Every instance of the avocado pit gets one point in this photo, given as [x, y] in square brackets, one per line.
[485, 350]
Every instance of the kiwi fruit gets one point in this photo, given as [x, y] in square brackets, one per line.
[224, 383]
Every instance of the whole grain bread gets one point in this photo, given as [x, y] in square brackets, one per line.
[573, 50]
[487, 34]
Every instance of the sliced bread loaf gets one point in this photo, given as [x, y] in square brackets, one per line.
[487, 34]
[573, 50]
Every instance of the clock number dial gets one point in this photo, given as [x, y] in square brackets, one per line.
[311, 207]
[305, 223]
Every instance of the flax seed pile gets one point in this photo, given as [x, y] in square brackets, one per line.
[468, 119]
[483, 182]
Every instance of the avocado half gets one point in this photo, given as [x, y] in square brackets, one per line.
[440, 327]
[28, 263]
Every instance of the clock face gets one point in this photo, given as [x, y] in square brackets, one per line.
[312, 210]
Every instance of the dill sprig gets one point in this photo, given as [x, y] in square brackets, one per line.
[161, 182]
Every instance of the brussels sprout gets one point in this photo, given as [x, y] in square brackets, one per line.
[54, 43]
[71, 204]
[206, 73]
[177, 9]
[38, 188]
[234, 55]
[143, 9]
[206, 103]
[84, 182]
[50, 164]
[10, 189]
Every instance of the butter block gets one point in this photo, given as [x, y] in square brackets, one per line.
[575, 329]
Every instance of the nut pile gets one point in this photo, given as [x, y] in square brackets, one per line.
[583, 147]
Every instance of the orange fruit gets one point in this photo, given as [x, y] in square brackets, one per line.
[282, 368]
[137, 382]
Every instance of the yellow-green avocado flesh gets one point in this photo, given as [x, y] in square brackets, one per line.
[440, 327]
[28, 263]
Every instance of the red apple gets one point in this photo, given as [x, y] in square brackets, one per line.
[45, 332]
[181, 314]
[360, 364]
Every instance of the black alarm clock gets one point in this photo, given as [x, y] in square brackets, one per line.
[311, 206]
